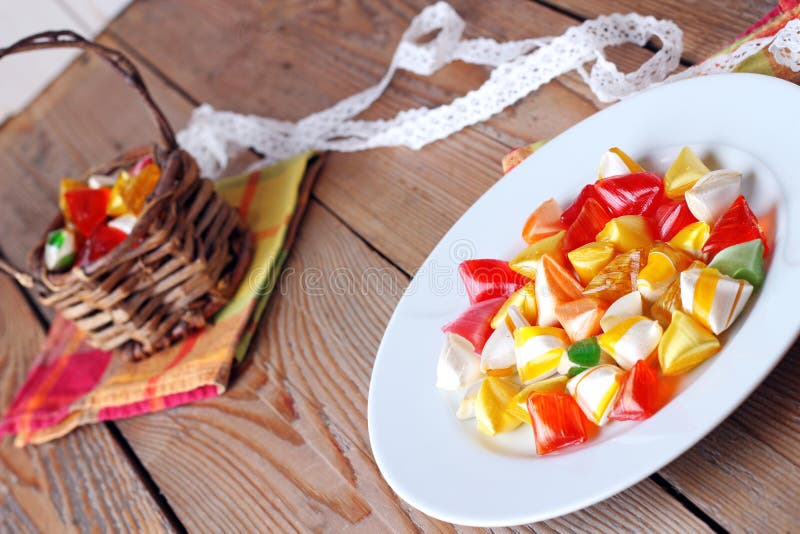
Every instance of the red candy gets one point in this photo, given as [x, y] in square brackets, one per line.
[737, 225]
[638, 397]
[87, 208]
[474, 324]
[557, 421]
[100, 242]
[591, 219]
[671, 218]
[571, 213]
[631, 194]
[488, 279]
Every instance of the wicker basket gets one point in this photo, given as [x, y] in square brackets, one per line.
[181, 263]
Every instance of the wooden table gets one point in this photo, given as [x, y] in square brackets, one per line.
[286, 448]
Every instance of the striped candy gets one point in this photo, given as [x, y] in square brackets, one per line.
[538, 350]
[712, 298]
[664, 264]
[596, 390]
[631, 340]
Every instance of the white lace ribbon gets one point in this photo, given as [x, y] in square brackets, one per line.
[520, 67]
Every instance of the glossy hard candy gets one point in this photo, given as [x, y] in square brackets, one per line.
[580, 356]
[626, 233]
[538, 350]
[633, 194]
[491, 402]
[713, 193]
[664, 264]
[589, 259]
[497, 357]
[527, 262]
[86, 208]
[60, 250]
[596, 391]
[458, 366]
[737, 225]
[518, 407]
[684, 172]
[557, 421]
[631, 340]
[100, 242]
[744, 261]
[544, 221]
[615, 162]
[524, 300]
[590, 220]
[618, 278]
[692, 238]
[474, 324]
[554, 285]
[486, 279]
[581, 318]
[671, 217]
[628, 305]
[638, 397]
[685, 345]
[713, 299]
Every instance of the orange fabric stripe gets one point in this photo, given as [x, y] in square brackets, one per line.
[271, 231]
[186, 348]
[249, 193]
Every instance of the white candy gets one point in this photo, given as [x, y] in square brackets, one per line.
[712, 298]
[612, 165]
[458, 365]
[622, 308]
[59, 249]
[712, 194]
[633, 339]
[466, 410]
[498, 352]
[596, 390]
[538, 351]
[96, 181]
[124, 223]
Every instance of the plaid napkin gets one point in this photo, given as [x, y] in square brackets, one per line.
[72, 384]
[759, 63]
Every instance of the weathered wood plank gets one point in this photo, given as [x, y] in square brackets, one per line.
[707, 26]
[295, 416]
[82, 482]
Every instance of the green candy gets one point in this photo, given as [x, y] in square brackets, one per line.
[59, 250]
[585, 353]
[575, 371]
[744, 261]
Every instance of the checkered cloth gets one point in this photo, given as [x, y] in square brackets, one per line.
[72, 384]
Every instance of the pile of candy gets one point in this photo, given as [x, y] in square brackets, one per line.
[99, 214]
[631, 283]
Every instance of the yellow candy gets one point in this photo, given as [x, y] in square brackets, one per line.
[525, 262]
[130, 192]
[524, 299]
[626, 306]
[616, 162]
[712, 298]
[493, 397]
[589, 259]
[664, 263]
[631, 340]
[596, 390]
[618, 278]
[66, 185]
[685, 345]
[692, 238]
[538, 350]
[627, 232]
[518, 407]
[683, 173]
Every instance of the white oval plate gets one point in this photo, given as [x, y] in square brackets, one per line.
[443, 466]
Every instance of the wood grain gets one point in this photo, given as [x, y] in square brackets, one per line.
[295, 416]
[707, 26]
[79, 483]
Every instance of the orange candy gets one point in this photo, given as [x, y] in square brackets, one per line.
[543, 222]
[130, 192]
[581, 318]
[553, 285]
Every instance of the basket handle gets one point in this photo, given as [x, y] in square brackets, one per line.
[123, 65]
[115, 58]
